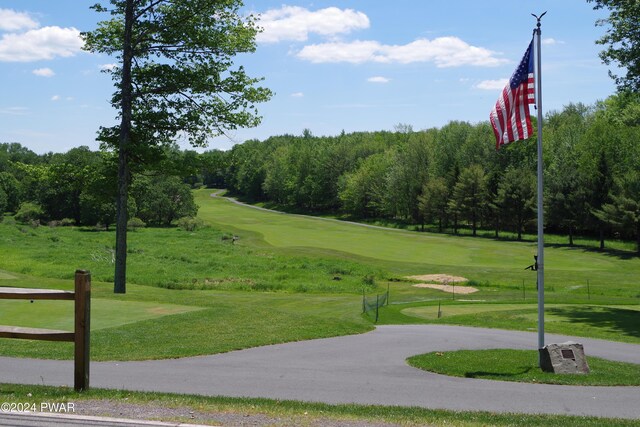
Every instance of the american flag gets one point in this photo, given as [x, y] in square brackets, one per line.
[510, 117]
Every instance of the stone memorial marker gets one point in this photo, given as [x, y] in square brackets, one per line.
[564, 358]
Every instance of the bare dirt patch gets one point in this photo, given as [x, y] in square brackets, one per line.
[214, 416]
[442, 282]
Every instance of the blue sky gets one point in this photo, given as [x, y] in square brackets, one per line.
[360, 65]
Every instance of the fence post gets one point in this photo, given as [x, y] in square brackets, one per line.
[377, 307]
[82, 326]
[387, 294]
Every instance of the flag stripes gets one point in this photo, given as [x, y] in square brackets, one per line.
[510, 117]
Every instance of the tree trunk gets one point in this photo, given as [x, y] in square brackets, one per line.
[601, 229]
[474, 224]
[570, 236]
[120, 277]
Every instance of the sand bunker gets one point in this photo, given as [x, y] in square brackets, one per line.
[442, 283]
[448, 288]
[439, 278]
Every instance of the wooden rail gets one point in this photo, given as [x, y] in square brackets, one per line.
[80, 336]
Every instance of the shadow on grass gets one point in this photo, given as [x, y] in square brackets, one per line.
[610, 252]
[497, 375]
[621, 320]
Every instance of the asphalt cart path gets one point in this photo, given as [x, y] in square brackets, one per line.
[365, 369]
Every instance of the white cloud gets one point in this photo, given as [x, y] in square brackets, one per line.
[297, 95]
[55, 98]
[443, 51]
[295, 23]
[39, 44]
[10, 20]
[108, 67]
[44, 72]
[492, 84]
[551, 41]
[378, 79]
[15, 111]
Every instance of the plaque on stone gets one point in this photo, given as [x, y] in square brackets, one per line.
[564, 358]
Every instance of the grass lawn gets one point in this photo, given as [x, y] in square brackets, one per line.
[618, 323]
[484, 261]
[106, 313]
[152, 323]
[210, 409]
[522, 366]
[293, 278]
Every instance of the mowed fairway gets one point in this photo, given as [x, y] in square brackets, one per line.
[403, 252]
[292, 277]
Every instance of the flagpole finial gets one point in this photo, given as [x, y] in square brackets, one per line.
[538, 18]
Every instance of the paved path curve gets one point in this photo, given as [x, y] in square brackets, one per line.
[367, 369]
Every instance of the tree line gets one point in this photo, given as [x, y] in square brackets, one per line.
[79, 188]
[445, 179]
[453, 177]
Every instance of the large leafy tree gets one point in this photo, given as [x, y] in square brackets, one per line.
[624, 210]
[622, 40]
[566, 189]
[174, 78]
[362, 192]
[469, 197]
[433, 201]
[162, 199]
[10, 186]
[516, 198]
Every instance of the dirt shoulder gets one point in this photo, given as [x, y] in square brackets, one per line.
[184, 414]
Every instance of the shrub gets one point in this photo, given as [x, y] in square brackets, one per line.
[28, 213]
[67, 222]
[369, 280]
[189, 223]
[3, 201]
[135, 223]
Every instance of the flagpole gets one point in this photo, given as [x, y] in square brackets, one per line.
[540, 258]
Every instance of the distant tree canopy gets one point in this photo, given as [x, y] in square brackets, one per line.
[442, 179]
[452, 177]
[79, 187]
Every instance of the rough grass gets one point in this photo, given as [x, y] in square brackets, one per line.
[175, 259]
[292, 412]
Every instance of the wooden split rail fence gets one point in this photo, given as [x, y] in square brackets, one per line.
[80, 336]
